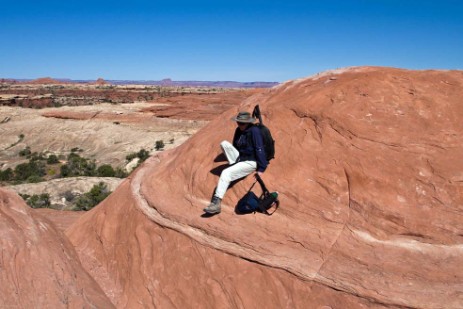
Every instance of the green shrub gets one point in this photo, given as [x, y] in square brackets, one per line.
[131, 156]
[105, 170]
[32, 168]
[92, 198]
[120, 173]
[78, 166]
[37, 156]
[159, 145]
[37, 201]
[34, 179]
[24, 196]
[142, 155]
[25, 152]
[6, 175]
[76, 149]
[52, 159]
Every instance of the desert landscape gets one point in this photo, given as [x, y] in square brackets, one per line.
[367, 166]
[105, 123]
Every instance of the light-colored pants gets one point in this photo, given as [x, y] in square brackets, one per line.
[235, 171]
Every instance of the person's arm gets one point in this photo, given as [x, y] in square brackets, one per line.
[258, 142]
[235, 138]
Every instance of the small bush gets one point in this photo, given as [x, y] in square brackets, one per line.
[52, 159]
[142, 155]
[76, 149]
[37, 201]
[92, 198]
[25, 170]
[105, 170]
[120, 173]
[51, 172]
[37, 156]
[34, 179]
[78, 166]
[25, 152]
[131, 156]
[159, 145]
[6, 175]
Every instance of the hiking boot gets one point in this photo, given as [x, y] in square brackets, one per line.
[214, 206]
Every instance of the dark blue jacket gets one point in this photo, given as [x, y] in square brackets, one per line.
[250, 145]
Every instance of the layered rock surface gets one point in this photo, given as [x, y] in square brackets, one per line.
[368, 167]
[39, 267]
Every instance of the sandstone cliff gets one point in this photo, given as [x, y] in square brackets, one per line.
[368, 166]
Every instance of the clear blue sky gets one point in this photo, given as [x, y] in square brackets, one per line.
[224, 40]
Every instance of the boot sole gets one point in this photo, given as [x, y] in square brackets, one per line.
[211, 211]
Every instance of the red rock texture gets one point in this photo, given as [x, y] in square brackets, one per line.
[46, 81]
[178, 103]
[39, 267]
[368, 167]
[142, 264]
[198, 106]
[100, 81]
[62, 220]
[134, 117]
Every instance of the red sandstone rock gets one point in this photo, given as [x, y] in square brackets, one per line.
[45, 81]
[198, 106]
[100, 81]
[368, 166]
[39, 267]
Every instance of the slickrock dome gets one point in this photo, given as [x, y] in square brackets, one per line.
[39, 268]
[369, 173]
[368, 167]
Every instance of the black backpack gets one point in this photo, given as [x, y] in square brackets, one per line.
[269, 142]
[251, 203]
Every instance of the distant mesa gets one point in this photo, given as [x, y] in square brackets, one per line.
[46, 81]
[100, 81]
[7, 81]
[166, 82]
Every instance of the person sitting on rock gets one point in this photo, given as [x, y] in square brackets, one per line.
[245, 156]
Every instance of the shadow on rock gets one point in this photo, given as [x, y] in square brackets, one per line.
[218, 169]
[208, 215]
[221, 158]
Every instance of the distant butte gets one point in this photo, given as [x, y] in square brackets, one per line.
[45, 81]
[165, 82]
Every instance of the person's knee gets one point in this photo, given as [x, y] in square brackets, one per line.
[225, 144]
[225, 175]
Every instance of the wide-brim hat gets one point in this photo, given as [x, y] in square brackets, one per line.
[244, 117]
